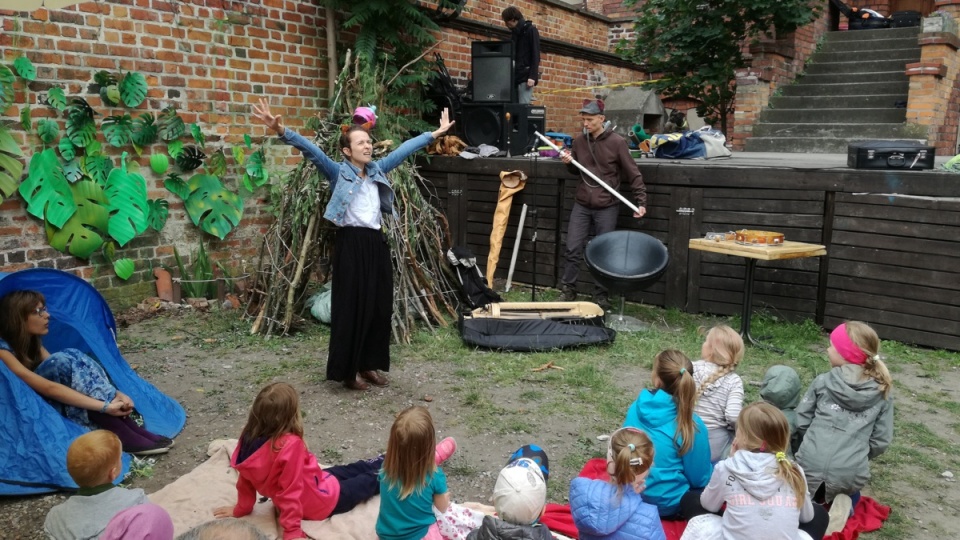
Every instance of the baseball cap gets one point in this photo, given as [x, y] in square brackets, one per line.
[592, 106]
[520, 492]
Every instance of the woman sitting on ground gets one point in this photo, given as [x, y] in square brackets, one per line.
[72, 382]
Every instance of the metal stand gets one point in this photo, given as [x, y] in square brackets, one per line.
[747, 309]
[626, 323]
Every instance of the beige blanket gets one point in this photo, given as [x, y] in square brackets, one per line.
[190, 500]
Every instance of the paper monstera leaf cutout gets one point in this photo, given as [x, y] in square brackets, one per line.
[133, 89]
[117, 129]
[211, 206]
[144, 130]
[129, 209]
[81, 128]
[11, 168]
[56, 98]
[25, 68]
[82, 234]
[6, 87]
[159, 211]
[46, 190]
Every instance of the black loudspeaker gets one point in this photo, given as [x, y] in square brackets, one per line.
[492, 72]
[486, 123]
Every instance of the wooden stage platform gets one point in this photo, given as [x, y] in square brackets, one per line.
[892, 237]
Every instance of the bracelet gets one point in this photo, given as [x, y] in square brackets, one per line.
[105, 405]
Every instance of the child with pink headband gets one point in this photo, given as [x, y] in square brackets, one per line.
[845, 419]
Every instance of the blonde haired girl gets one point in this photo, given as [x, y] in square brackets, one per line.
[682, 467]
[615, 510]
[845, 419]
[411, 482]
[719, 389]
[765, 494]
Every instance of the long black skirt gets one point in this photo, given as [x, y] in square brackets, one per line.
[361, 305]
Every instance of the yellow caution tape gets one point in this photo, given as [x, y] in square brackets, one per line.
[618, 85]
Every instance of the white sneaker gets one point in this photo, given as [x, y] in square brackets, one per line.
[839, 513]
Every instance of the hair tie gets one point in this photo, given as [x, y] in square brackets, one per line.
[632, 447]
[763, 446]
[683, 370]
[344, 128]
[876, 357]
[636, 462]
[781, 456]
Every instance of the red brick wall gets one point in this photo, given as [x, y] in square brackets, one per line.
[211, 59]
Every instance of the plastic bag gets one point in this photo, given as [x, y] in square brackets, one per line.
[320, 304]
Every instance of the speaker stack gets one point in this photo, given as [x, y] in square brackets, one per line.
[495, 96]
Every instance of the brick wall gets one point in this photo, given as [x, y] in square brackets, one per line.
[211, 59]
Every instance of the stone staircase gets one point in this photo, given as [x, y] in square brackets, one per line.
[854, 88]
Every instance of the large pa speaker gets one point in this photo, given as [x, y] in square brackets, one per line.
[486, 123]
[492, 72]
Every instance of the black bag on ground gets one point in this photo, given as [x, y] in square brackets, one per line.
[529, 335]
[474, 287]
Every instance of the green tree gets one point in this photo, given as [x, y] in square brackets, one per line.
[698, 44]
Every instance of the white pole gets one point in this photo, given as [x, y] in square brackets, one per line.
[623, 199]
[516, 248]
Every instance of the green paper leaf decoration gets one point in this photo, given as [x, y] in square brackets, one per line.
[117, 129]
[169, 124]
[72, 171]
[256, 175]
[159, 163]
[176, 185]
[127, 193]
[48, 130]
[198, 135]
[46, 190]
[123, 268]
[56, 98]
[97, 167]
[217, 165]
[104, 78]
[25, 68]
[144, 131]
[81, 128]
[110, 94]
[247, 141]
[174, 148]
[93, 149]
[109, 250]
[67, 150]
[159, 210]
[238, 156]
[83, 233]
[211, 206]
[133, 89]
[25, 118]
[11, 168]
[190, 158]
[7, 93]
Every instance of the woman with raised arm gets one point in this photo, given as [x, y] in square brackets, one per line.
[362, 273]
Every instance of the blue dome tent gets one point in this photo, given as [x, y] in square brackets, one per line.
[33, 436]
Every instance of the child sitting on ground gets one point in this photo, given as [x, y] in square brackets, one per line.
[719, 389]
[615, 510]
[781, 388]
[94, 463]
[519, 498]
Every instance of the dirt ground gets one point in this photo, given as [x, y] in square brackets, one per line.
[217, 377]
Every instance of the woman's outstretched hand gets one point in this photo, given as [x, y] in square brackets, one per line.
[263, 113]
[445, 124]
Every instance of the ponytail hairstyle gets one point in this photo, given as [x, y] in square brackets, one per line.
[869, 342]
[763, 428]
[15, 308]
[630, 452]
[275, 412]
[411, 451]
[726, 351]
[673, 372]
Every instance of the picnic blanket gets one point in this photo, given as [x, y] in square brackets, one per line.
[190, 500]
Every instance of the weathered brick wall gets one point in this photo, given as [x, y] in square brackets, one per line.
[211, 59]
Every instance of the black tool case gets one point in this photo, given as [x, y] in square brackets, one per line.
[889, 154]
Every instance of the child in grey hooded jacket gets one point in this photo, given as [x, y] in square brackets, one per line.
[781, 388]
[846, 416]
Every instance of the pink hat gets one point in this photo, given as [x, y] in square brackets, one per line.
[142, 522]
[365, 115]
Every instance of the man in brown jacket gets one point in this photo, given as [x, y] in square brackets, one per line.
[605, 154]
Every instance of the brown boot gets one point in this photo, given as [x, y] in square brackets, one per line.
[375, 378]
[356, 383]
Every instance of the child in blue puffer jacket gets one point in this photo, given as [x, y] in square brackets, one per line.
[614, 510]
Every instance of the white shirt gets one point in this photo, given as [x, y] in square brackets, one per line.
[364, 209]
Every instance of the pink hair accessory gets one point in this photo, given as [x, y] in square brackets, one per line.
[845, 346]
[365, 115]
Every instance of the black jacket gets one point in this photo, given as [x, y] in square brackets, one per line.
[526, 52]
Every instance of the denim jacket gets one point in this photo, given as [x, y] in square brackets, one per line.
[344, 176]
